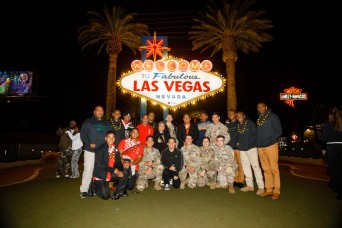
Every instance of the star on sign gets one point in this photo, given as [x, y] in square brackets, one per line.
[155, 47]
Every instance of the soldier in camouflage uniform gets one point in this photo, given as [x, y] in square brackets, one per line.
[192, 160]
[215, 129]
[150, 166]
[227, 165]
[208, 168]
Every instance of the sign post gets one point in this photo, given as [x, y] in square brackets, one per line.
[153, 48]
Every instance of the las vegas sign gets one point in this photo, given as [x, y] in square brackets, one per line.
[172, 82]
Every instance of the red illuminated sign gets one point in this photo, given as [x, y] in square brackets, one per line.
[291, 94]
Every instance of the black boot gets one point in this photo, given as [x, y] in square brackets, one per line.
[91, 191]
[116, 196]
[124, 194]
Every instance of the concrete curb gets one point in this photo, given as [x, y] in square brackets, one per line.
[6, 165]
[305, 161]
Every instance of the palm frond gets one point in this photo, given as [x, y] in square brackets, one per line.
[247, 27]
[115, 24]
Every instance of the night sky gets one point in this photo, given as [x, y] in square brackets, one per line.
[42, 37]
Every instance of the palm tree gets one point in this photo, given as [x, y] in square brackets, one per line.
[233, 27]
[112, 30]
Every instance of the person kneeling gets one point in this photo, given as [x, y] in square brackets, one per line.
[108, 168]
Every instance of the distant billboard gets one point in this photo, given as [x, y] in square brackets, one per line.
[16, 83]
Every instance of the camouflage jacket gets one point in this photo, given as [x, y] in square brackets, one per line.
[191, 156]
[208, 159]
[150, 155]
[225, 156]
[214, 130]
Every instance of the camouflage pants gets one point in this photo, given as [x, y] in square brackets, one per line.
[191, 180]
[63, 162]
[142, 181]
[209, 177]
[226, 176]
[74, 162]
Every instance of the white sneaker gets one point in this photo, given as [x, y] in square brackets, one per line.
[74, 176]
[260, 191]
[247, 189]
[58, 176]
[171, 181]
[167, 187]
[161, 183]
[66, 175]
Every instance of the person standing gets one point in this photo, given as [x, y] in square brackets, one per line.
[93, 132]
[171, 127]
[161, 137]
[332, 135]
[128, 125]
[145, 129]
[117, 125]
[76, 148]
[268, 132]
[108, 167]
[217, 128]
[65, 151]
[232, 125]
[172, 160]
[246, 138]
[187, 128]
[152, 121]
[202, 127]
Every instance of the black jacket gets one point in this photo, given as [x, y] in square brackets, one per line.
[118, 128]
[246, 137]
[163, 145]
[193, 131]
[232, 129]
[101, 162]
[269, 131]
[329, 133]
[93, 131]
[172, 158]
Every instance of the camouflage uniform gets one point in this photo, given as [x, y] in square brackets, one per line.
[65, 153]
[213, 130]
[209, 163]
[157, 169]
[192, 158]
[226, 161]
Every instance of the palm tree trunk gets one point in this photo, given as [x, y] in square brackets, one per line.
[231, 90]
[111, 85]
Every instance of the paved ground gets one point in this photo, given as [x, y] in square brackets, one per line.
[21, 171]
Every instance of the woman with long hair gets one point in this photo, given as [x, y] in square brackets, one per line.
[332, 135]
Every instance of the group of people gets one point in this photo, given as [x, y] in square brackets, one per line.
[208, 153]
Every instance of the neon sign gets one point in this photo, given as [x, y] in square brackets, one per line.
[291, 94]
[172, 82]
